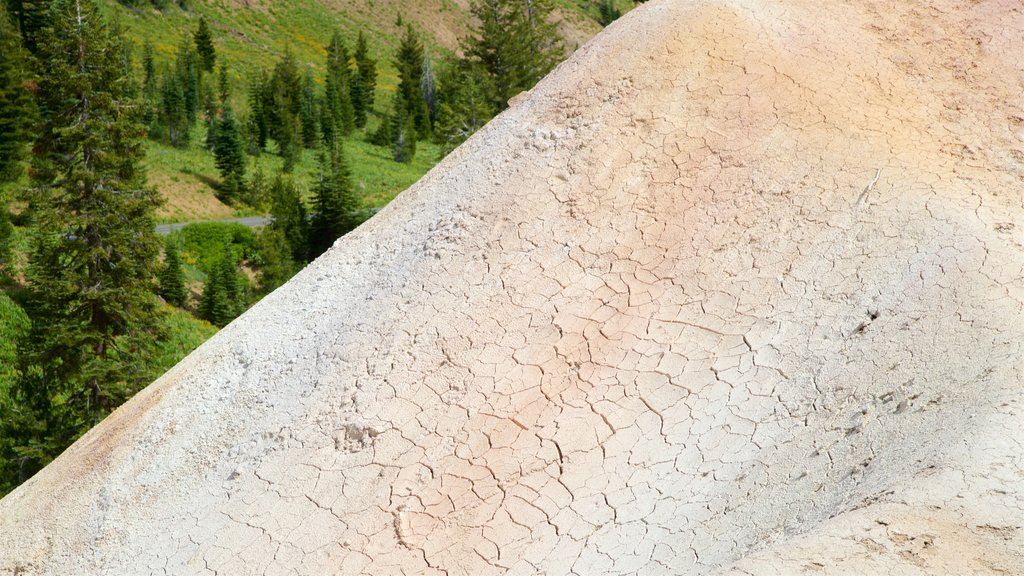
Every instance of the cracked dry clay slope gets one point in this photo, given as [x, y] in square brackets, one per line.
[736, 290]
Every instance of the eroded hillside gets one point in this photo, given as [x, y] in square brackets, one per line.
[736, 289]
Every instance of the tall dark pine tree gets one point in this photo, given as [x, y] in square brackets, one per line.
[516, 42]
[409, 63]
[283, 107]
[307, 112]
[16, 106]
[172, 278]
[364, 82]
[150, 87]
[94, 251]
[289, 216]
[223, 296]
[338, 112]
[204, 46]
[335, 199]
[31, 16]
[229, 156]
[258, 129]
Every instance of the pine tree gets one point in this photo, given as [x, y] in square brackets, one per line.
[258, 128]
[16, 106]
[93, 254]
[335, 199]
[229, 157]
[464, 102]
[516, 42]
[32, 17]
[174, 126]
[150, 86]
[6, 241]
[257, 192]
[204, 46]
[223, 296]
[364, 82]
[289, 216]
[338, 112]
[307, 113]
[172, 278]
[608, 12]
[409, 63]
[283, 105]
[276, 263]
[187, 68]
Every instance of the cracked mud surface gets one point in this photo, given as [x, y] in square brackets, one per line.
[736, 290]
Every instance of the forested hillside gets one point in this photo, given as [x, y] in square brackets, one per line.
[114, 117]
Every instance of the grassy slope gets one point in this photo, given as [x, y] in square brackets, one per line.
[253, 34]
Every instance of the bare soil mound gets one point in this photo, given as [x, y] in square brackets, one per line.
[737, 289]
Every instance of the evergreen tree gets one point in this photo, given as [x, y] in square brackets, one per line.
[150, 86]
[174, 127]
[516, 42]
[204, 46]
[257, 193]
[338, 113]
[31, 17]
[229, 157]
[16, 106]
[289, 216]
[307, 112]
[276, 263]
[409, 63]
[6, 241]
[283, 105]
[223, 296]
[335, 199]
[258, 126]
[94, 250]
[364, 83]
[608, 12]
[172, 278]
[187, 68]
[465, 102]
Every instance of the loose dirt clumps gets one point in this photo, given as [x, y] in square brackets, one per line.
[738, 289]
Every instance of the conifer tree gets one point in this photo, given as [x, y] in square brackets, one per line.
[174, 126]
[6, 241]
[204, 46]
[16, 106]
[32, 17]
[409, 63]
[276, 263]
[338, 112]
[187, 68]
[93, 251]
[150, 86]
[258, 127]
[289, 216]
[172, 278]
[223, 296]
[335, 199]
[283, 104]
[364, 82]
[516, 42]
[229, 156]
[307, 112]
[465, 102]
